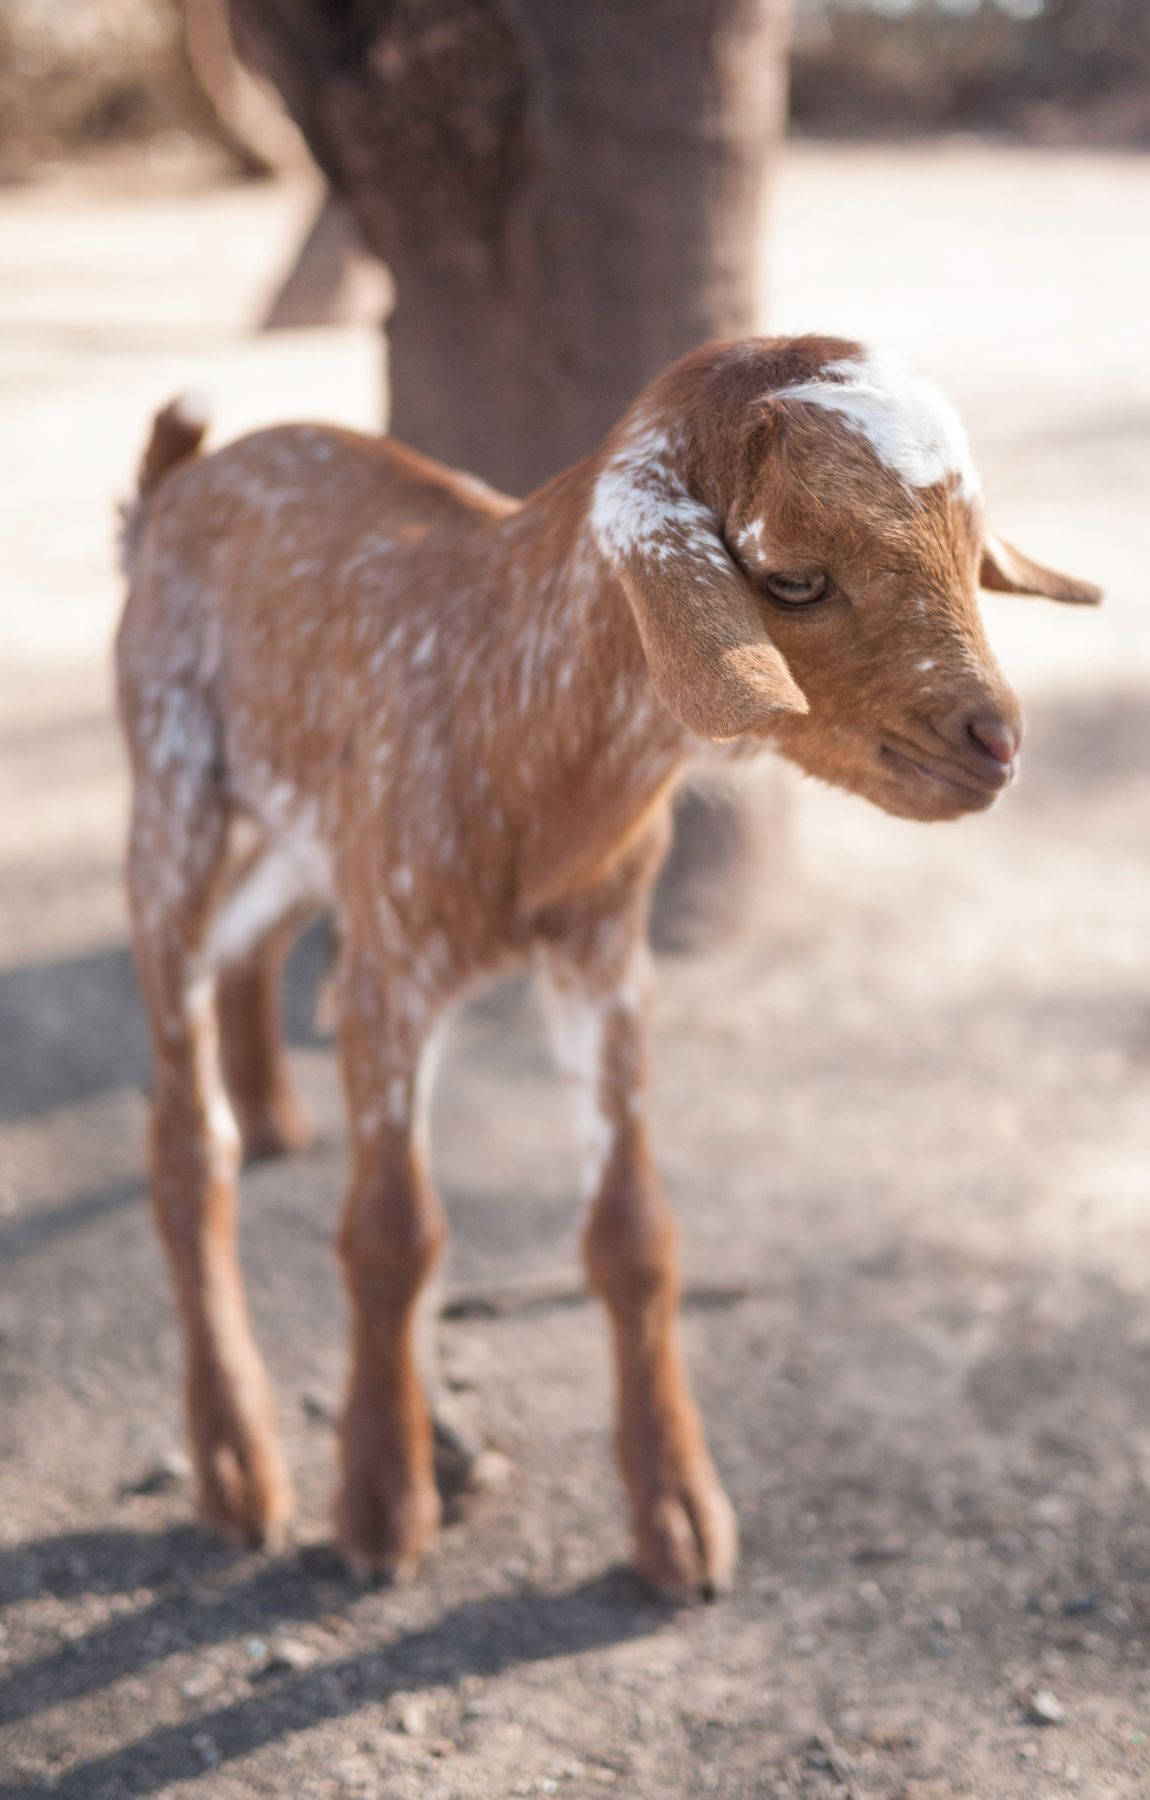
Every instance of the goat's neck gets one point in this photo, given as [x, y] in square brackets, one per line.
[595, 748]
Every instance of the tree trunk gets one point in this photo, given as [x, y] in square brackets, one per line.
[568, 195]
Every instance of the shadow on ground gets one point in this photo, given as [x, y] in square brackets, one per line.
[481, 1637]
[74, 1028]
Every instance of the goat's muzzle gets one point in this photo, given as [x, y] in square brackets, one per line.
[959, 765]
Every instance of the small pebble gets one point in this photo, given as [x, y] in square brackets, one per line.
[490, 1471]
[413, 1718]
[1044, 1707]
[201, 1681]
[168, 1471]
[285, 1654]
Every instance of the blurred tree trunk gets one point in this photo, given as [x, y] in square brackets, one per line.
[569, 194]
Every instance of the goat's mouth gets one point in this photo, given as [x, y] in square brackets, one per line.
[946, 784]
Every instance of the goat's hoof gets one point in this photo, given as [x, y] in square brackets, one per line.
[384, 1536]
[245, 1494]
[687, 1540]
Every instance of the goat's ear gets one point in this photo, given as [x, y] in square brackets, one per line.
[1009, 572]
[702, 629]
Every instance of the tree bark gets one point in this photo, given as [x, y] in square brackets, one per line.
[569, 195]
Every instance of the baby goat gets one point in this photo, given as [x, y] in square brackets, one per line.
[458, 721]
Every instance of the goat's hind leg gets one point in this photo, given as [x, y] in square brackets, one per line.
[176, 856]
[255, 927]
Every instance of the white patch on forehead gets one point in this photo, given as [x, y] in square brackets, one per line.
[909, 424]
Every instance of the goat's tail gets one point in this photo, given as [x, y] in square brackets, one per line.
[178, 431]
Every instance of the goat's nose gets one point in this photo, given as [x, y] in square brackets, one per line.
[998, 737]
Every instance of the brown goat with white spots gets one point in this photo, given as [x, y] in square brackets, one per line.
[457, 721]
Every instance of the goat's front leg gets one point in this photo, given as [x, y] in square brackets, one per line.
[685, 1532]
[392, 1235]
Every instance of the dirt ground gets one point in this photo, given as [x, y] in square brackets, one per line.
[905, 1124]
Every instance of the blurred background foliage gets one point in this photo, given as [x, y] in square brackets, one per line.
[81, 74]
[78, 76]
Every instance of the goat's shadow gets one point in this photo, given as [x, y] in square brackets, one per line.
[73, 1029]
[480, 1637]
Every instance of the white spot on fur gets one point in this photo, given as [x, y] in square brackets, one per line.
[640, 505]
[422, 652]
[200, 1010]
[909, 424]
[927, 662]
[577, 1025]
[291, 871]
[577, 1029]
[280, 801]
[426, 1071]
[194, 409]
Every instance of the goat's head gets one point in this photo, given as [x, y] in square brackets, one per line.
[798, 528]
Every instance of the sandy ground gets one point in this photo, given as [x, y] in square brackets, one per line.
[906, 1128]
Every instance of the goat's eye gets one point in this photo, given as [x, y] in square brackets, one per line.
[796, 590]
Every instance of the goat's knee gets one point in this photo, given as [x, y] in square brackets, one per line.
[630, 1245]
[391, 1239]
